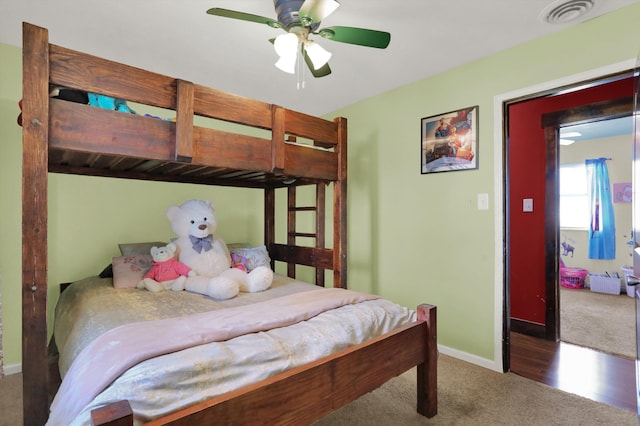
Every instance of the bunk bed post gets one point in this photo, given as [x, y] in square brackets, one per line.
[320, 227]
[291, 226]
[35, 128]
[340, 208]
[277, 163]
[427, 372]
[269, 219]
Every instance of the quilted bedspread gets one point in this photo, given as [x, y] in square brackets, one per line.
[129, 344]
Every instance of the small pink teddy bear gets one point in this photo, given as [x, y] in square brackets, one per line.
[166, 272]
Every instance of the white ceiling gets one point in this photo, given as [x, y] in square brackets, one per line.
[600, 129]
[179, 39]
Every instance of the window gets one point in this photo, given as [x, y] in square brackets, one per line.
[574, 201]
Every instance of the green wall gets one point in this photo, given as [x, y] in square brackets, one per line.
[412, 238]
[420, 238]
[11, 202]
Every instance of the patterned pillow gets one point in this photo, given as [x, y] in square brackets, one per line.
[129, 270]
[256, 256]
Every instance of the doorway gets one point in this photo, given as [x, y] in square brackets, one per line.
[531, 166]
[594, 303]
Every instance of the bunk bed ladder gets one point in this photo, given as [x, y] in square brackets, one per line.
[319, 256]
[318, 235]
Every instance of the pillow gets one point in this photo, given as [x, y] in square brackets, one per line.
[129, 270]
[139, 248]
[256, 256]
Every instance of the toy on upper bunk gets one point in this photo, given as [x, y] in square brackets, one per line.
[81, 97]
[107, 102]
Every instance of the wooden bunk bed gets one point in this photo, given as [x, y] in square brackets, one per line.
[67, 137]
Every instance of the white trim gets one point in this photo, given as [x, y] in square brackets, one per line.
[498, 208]
[470, 358]
[12, 369]
[499, 204]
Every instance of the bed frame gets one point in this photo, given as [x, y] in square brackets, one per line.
[66, 137]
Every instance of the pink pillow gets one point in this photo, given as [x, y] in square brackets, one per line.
[129, 270]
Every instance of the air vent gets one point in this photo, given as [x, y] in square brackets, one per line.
[566, 11]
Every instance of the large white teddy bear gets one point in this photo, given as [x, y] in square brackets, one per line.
[194, 222]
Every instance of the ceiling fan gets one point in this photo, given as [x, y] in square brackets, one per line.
[301, 18]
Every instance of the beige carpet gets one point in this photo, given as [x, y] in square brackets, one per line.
[468, 395]
[471, 395]
[11, 400]
[601, 321]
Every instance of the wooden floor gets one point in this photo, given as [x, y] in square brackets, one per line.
[586, 372]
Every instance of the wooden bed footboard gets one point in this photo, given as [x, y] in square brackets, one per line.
[336, 380]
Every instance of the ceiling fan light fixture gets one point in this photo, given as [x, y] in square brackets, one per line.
[301, 18]
[318, 55]
[286, 45]
[287, 64]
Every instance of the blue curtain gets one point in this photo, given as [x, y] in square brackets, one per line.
[602, 229]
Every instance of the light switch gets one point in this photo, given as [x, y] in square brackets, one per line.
[527, 205]
[483, 201]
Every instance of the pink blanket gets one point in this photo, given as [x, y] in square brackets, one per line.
[111, 354]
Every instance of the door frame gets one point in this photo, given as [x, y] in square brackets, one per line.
[500, 103]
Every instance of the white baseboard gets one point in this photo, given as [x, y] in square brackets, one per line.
[12, 369]
[472, 359]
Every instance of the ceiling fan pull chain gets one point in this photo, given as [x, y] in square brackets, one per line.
[301, 69]
[300, 73]
[298, 76]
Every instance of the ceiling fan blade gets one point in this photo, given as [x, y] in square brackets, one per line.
[317, 10]
[244, 16]
[359, 36]
[323, 71]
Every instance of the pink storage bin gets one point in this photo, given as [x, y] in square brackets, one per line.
[572, 277]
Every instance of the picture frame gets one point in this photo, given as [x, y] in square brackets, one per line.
[622, 192]
[449, 141]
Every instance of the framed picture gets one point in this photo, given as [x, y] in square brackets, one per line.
[449, 141]
[622, 192]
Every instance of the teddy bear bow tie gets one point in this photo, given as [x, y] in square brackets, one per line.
[199, 244]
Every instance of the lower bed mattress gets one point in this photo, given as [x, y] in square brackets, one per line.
[91, 313]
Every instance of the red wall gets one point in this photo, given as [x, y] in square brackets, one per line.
[526, 179]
